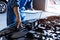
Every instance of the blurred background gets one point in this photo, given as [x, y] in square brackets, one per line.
[41, 9]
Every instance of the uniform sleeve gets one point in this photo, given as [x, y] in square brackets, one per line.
[14, 3]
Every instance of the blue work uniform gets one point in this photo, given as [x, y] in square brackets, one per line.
[22, 3]
[26, 4]
[10, 12]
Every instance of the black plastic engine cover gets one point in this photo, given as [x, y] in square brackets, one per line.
[8, 30]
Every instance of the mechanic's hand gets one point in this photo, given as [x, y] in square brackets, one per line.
[19, 24]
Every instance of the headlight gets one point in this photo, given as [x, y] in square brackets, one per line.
[3, 6]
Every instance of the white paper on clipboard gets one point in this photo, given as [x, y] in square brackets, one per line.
[31, 14]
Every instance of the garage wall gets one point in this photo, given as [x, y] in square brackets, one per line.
[39, 4]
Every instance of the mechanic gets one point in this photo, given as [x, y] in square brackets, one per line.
[12, 14]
